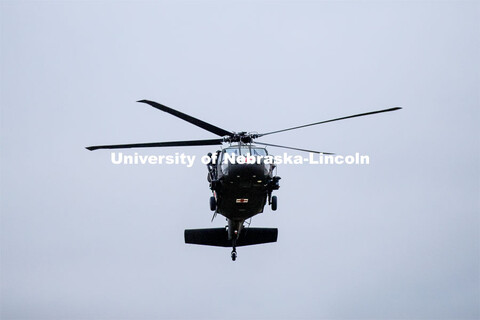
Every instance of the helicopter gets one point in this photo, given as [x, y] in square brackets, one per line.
[240, 189]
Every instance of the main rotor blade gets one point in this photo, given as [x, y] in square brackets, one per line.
[199, 123]
[279, 146]
[313, 124]
[160, 144]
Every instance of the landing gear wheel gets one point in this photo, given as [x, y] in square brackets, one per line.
[213, 203]
[274, 203]
[234, 255]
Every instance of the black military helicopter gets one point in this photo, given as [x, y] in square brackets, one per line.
[240, 190]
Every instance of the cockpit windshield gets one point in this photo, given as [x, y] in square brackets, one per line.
[246, 150]
[231, 153]
[258, 151]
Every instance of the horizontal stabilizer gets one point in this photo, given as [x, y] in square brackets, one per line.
[219, 236]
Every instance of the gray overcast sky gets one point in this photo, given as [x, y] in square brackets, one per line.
[84, 239]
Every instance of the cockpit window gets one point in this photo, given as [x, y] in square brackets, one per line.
[246, 150]
[233, 151]
[259, 152]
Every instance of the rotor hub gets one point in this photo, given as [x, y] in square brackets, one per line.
[243, 137]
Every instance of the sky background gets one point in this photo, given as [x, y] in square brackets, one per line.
[82, 238]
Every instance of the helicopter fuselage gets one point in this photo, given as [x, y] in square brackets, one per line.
[241, 189]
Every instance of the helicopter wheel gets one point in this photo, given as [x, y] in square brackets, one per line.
[234, 255]
[213, 203]
[274, 203]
